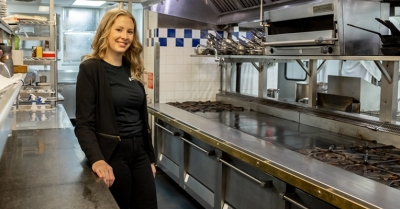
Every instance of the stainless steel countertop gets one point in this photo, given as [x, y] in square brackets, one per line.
[46, 168]
[28, 119]
[275, 146]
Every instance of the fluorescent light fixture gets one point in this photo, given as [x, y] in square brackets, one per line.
[44, 8]
[88, 3]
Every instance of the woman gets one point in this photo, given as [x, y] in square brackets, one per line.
[111, 112]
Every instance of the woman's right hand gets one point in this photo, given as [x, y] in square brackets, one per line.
[104, 171]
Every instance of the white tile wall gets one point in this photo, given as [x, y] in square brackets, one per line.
[185, 78]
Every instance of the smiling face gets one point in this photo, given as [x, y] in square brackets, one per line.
[121, 36]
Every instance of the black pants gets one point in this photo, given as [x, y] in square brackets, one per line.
[134, 185]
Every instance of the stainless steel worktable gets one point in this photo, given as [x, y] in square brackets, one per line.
[45, 167]
[274, 138]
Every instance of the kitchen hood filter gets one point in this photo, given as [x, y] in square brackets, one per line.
[250, 3]
[224, 6]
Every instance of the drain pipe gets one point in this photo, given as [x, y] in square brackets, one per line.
[238, 76]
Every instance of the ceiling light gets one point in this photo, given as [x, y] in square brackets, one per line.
[88, 3]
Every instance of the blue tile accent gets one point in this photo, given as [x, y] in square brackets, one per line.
[221, 33]
[187, 33]
[195, 42]
[249, 35]
[179, 42]
[163, 41]
[203, 33]
[236, 34]
[171, 33]
[156, 32]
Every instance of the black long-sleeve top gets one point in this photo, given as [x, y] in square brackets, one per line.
[96, 123]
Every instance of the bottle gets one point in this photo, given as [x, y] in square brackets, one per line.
[6, 58]
[32, 98]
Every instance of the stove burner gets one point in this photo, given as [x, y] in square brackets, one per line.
[207, 106]
[379, 163]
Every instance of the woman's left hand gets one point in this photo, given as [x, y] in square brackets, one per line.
[153, 169]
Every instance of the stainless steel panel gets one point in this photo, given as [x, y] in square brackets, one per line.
[201, 166]
[68, 90]
[310, 201]
[301, 36]
[170, 145]
[366, 93]
[389, 93]
[193, 10]
[169, 167]
[242, 192]
[315, 171]
[361, 13]
[296, 12]
[199, 192]
[53, 118]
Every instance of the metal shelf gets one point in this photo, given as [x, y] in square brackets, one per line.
[35, 22]
[5, 27]
[33, 38]
[268, 58]
[38, 61]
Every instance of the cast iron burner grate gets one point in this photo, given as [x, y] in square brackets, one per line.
[206, 106]
[379, 162]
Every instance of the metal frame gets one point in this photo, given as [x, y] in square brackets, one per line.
[389, 69]
[306, 184]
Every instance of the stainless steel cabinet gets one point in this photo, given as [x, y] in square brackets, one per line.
[68, 90]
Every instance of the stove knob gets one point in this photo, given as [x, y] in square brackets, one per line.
[324, 50]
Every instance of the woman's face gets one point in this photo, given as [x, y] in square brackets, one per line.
[121, 35]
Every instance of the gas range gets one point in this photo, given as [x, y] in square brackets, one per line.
[207, 106]
[377, 162]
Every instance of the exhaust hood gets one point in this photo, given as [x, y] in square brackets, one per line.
[218, 12]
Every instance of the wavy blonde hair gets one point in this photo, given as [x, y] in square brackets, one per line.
[100, 42]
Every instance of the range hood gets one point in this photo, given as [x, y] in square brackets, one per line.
[218, 12]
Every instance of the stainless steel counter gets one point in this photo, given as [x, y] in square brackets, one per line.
[50, 118]
[271, 149]
[43, 166]
[46, 169]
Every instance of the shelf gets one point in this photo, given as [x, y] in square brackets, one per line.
[38, 61]
[265, 58]
[33, 38]
[5, 27]
[35, 22]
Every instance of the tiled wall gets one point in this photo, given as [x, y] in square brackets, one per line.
[185, 78]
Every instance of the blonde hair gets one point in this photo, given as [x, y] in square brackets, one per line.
[100, 42]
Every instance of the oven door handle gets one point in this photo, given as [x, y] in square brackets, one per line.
[311, 41]
[209, 153]
[168, 131]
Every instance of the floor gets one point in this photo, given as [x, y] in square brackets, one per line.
[171, 196]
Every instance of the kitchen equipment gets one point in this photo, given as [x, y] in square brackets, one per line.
[301, 90]
[4, 70]
[201, 51]
[393, 51]
[322, 87]
[320, 27]
[6, 58]
[386, 39]
[392, 28]
[274, 93]
[30, 78]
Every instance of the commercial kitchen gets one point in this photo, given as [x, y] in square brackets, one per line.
[253, 104]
